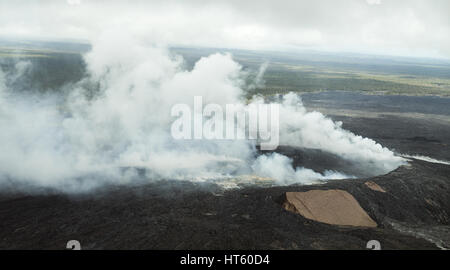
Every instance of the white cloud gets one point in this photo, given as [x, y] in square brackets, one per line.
[418, 27]
[373, 2]
[74, 2]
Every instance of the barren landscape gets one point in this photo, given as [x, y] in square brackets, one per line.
[238, 126]
[412, 213]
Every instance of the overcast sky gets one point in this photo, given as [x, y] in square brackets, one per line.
[396, 27]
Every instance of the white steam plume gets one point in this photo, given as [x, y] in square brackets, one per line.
[314, 130]
[74, 143]
[279, 167]
[427, 159]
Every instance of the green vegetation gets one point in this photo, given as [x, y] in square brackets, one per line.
[312, 71]
[49, 70]
[280, 78]
[55, 64]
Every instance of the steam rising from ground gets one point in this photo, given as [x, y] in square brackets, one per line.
[280, 167]
[427, 159]
[118, 119]
[314, 130]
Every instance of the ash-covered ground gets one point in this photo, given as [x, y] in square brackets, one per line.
[412, 213]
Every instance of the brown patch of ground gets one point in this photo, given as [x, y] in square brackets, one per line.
[336, 207]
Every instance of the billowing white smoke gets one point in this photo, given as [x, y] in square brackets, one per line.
[279, 167]
[75, 143]
[314, 130]
[82, 142]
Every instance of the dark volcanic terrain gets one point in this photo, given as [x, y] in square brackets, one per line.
[412, 213]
